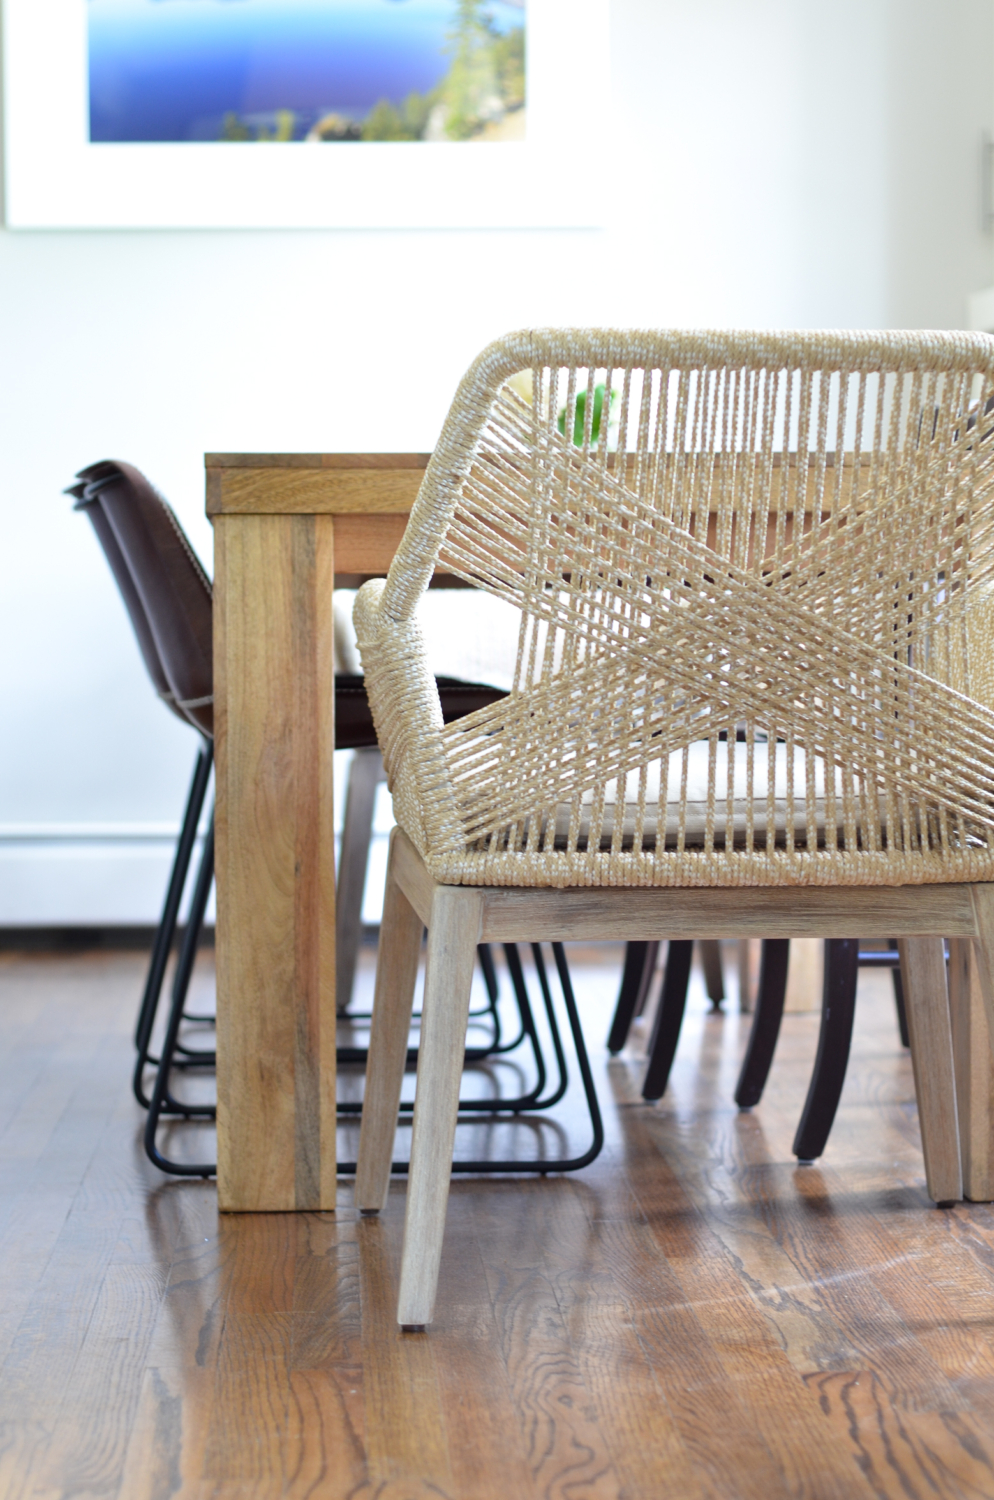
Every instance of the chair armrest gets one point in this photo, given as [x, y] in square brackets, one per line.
[407, 713]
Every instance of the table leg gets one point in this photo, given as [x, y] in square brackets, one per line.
[974, 1066]
[274, 724]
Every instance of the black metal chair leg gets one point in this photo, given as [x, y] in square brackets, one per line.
[532, 1101]
[669, 1018]
[838, 1007]
[496, 1047]
[553, 1164]
[181, 983]
[765, 1022]
[640, 962]
[521, 1104]
[902, 1015]
[170, 913]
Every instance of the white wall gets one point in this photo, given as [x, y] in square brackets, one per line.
[777, 162]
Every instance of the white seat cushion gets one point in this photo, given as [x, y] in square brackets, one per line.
[698, 760]
[468, 634]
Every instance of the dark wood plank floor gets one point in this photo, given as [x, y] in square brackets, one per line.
[692, 1316]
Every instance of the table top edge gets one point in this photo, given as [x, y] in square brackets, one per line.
[316, 460]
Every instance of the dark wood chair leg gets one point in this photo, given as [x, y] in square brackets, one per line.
[765, 1022]
[636, 976]
[709, 953]
[838, 1007]
[902, 1015]
[669, 1018]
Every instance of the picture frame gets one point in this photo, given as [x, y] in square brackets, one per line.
[55, 178]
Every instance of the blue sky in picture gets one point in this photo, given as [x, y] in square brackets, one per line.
[170, 70]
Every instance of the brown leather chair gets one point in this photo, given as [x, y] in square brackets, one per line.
[168, 597]
[87, 496]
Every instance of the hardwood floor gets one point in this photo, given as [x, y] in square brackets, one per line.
[690, 1317]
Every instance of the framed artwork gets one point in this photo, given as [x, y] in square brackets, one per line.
[303, 113]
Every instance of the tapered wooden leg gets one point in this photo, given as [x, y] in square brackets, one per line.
[923, 973]
[765, 1022]
[669, 1019]
[838, 1008]
[974, 1066]
[453, 933]
[640, 963]
[365, 775]
[983, 913]
[709, 950]
[393, 999]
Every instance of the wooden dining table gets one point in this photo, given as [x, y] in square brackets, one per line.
[287, 527]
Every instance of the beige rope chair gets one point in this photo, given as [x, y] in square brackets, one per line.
[753, 692]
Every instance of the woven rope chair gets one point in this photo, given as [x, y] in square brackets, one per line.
[754, 691]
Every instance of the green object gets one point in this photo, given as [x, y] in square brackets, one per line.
[581, 415]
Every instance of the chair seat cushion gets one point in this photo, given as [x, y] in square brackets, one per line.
[695, 799]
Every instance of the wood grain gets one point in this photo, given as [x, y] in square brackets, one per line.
[923, 972]
[535, 914]
[316, 461]
[566, 1448]
[366, 544]
[974, 1065]
[322, 492]
[396, 973]
[405, 1425]
[691, 1316]
[453, 936]
[733, 1292]
[634, 914]
[275, 862]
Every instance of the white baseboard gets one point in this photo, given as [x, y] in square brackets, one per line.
[53, 880]
[90, 875]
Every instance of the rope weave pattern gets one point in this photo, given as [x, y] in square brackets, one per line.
[757, 613]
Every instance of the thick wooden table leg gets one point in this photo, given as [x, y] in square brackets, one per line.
[275, 733]
[974, 1071]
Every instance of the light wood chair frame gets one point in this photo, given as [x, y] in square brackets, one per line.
[459, 917]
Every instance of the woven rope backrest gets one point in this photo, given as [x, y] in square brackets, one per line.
[761, 560]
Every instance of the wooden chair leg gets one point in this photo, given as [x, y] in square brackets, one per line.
[923, 972]
[709, 950]
[974, 1063]
[669, 1019]
[365, 775]
[640, 964]
[453, 933]
[983, 911]
[838, 1008]
[393, 1001]
[765, 1022]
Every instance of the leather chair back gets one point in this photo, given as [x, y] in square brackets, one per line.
[171, 587]
[129, 594]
